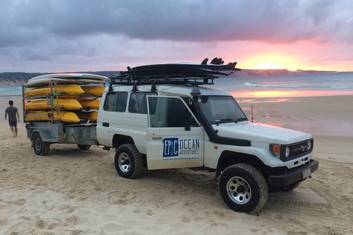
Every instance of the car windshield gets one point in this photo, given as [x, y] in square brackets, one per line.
[221, 109]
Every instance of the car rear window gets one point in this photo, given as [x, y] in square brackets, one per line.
[115, 102]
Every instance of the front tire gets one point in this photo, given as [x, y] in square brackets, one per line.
[243, 188]
[128, 161]
[40, 147]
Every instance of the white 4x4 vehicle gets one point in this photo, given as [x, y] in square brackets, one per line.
[157, 117]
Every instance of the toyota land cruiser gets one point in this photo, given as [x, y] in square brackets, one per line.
[162, 117]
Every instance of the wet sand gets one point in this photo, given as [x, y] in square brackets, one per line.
[329, 119]
[79, 192]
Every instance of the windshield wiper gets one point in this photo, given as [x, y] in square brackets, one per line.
[240, 119]
[226, 120]
[223, 120]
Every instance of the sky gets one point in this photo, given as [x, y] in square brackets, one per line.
[92, 35]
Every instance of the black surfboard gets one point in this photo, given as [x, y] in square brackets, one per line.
[195, 74]
[181, 71]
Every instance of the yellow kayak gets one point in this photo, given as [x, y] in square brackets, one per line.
[68, 117]
[89, 104]
[94, 90]
[91, 116]
[59, 89]
[44, 104]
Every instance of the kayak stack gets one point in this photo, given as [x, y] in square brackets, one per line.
[68, 98]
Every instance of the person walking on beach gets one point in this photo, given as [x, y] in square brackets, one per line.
[11, 113]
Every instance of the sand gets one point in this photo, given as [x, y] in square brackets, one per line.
[79, 192]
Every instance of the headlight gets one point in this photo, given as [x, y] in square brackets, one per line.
[275, 149]
[310, 145]
[287, 152]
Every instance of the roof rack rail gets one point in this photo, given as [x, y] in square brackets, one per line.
[193, 74]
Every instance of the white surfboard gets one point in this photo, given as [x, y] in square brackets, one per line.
[64, 78]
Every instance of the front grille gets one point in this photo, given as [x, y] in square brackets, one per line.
[297, 150]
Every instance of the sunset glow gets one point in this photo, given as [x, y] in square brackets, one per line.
[271, 61]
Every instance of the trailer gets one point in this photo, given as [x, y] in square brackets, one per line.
[43, 134]
[50, 129]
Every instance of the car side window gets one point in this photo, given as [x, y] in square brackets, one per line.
[115, 102]
[121, 99]
[169, 112]
[138, 103]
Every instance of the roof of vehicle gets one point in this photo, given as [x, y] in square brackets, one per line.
[172, 90]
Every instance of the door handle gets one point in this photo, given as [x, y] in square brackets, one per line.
[105, 124]
[156, 137]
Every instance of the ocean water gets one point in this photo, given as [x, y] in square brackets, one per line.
[289, 86]
[10, 90]
[269, 86]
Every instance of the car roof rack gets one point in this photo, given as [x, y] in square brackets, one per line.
[185, 74]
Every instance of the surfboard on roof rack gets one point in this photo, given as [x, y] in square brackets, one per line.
[175, 73]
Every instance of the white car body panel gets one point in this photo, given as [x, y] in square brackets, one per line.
[257, 132]
[122, 123]
[156, 153]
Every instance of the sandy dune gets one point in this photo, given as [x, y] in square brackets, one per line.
[79, 192]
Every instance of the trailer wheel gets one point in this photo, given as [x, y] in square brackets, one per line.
[83, 146]
[243, 188]
[128, 161]
[40, 147]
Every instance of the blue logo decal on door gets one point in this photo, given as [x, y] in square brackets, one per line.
[170, 147]
[173, 147]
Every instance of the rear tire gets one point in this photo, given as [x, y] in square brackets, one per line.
[83, 146]
[40, 147]
[128, 161]
[243, 188]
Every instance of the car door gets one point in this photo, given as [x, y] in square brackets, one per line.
[175, 138]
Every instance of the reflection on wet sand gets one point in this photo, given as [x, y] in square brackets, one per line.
[319, 115]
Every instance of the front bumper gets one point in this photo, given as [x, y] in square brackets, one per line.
[293, 175]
